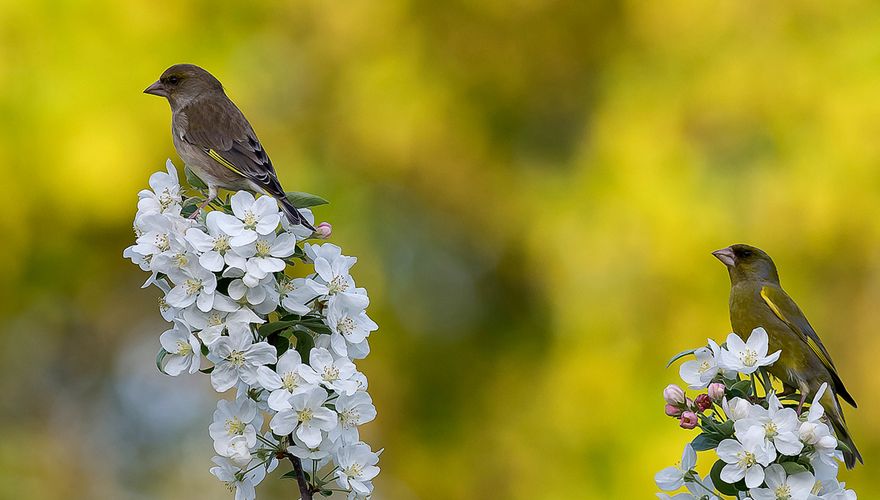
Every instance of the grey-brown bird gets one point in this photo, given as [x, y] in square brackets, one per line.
[215, 140]
[758, 300]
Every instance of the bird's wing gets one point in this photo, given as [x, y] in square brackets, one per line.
[787, 310]
[219, 128]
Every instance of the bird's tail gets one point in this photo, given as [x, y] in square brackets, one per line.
[835, 416]
[293, 215]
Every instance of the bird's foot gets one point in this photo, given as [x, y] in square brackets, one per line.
[199, 209]
[800, 406]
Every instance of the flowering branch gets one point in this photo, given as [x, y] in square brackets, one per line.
[286, 344]
[765, 449]
[304, 491]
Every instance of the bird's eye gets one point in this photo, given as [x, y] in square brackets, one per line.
[746, 253]
[173, 80]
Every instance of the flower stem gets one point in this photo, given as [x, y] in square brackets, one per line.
[305, 492]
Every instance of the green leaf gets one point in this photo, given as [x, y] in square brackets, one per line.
[159, 357]
[681, 355]
[305, 200]
[793, 468]
[193, 180]
[721, 486]
[742, 389]
[317, 326]
[289, 475]
[726, 428]
[705, 441]
[274, 327]
[304, 343]
[326, 493]
[282, 344]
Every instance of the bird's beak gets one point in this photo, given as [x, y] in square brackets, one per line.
[726, 256]
[157, 89]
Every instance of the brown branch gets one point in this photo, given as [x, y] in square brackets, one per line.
[304, 491]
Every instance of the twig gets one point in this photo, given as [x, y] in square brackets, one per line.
[304, 491]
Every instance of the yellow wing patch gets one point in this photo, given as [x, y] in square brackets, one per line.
[223, 161]
[810, 342]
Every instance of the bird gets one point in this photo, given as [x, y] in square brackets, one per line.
[758, 300]
[215, 140]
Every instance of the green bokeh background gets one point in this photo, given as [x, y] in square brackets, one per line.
[532, 188]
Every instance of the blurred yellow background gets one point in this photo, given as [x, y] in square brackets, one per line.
[532, 189]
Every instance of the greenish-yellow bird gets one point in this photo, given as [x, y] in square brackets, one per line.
[758, 300]
[215, 140]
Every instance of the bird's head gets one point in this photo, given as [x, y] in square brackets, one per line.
[745, 262]
[182, 83]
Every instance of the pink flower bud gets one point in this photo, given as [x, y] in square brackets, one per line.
[324, 230]
[674, 395]
[703, 402]
[673, 411]
[688, 420]
[716, 391]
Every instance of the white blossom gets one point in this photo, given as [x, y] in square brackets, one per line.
[307, 415]
[252, 217]
[781, 486]
[357, 468]
[332, 373]
[236, 356]
[672, 478]
[699, 373]
[744, 459]
[353, 411]
[776, 426]
[225, 272]
[184, 350]
[747, 357]
[214, 245]
[241, 480]
[235, 419]
[164, 198]
[286, 380]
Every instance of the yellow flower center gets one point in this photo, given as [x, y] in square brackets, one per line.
[338, 284]
[783, 492]
[285, 286]
[331, 373]
[162, 242]
[235, 426]
[345, 325]
[215, 319]
[181, 260]
[705, 366]
[354, 470]
[290, 381]
[263, 248]
[350, 418]
[221, 244]
[746, 459]
[193, 286]
[770, 430]
[250, 220]
[305, 415]
[748, 357]
[236, 358]
[183, 348]
[165, 199]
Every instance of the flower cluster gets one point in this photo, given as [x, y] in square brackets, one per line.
[766, 450]
[285, 344]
